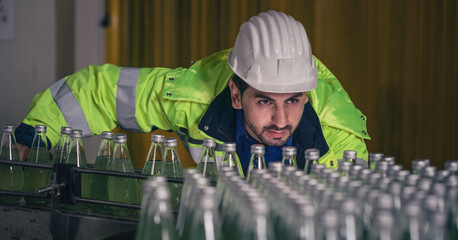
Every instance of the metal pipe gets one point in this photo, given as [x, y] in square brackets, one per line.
[26, 164]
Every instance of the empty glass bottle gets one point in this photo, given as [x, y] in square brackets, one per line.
[158, 221]
[373, 158]
[311, 158]
[350, 156]
[205, 224]
[172, 168]
[230, 159]
[122, 189]
[11, 176]
[153, 163]
[35, 178]
[289, 156]
[99, 183]
[257, 160]
[207, 163]
[61, 150]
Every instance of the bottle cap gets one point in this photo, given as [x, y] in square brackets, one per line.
[401, 176]
[157, 138]
[350, 154]
[275, 167]
[317, 168]
[170, 142]
[76, 133]
[289, 151]
[381, 165]
[40, 128]
[312, 154]
[424, 184]
[348, 205]
[65, 130]
[419, 163]
[107, 135]
[208, 142]
[389, 159]
[229, 147]
[393, 168]
[442, 175]
[428, 172]
[345, 166]
[257, 149]
[412, 179]
[8, 128]
[451, 165]
[354, 170]
[375, 157]
[120, 138]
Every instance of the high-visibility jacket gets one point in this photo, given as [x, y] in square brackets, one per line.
[193, 102]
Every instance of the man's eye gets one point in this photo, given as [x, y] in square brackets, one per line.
[264, 102]
[293, 101]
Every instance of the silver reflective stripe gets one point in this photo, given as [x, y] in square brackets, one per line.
[69, 106]
[125, 98]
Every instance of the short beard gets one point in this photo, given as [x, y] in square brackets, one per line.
[276, 141]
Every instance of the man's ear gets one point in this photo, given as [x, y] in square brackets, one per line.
[236, 97]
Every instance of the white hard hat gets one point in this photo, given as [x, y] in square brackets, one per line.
[273, 54]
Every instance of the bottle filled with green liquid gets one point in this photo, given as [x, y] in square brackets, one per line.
[35, 178]
[153, 163]
[77, 156]
[99, 183]
[122, 189]
[207, 163]
[11, 176]
[60, 152]
[172, 168]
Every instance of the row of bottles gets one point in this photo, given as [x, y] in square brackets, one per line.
[283, 202]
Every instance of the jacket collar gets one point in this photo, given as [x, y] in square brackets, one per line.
[219, 122]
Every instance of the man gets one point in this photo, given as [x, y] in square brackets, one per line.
[280, 95]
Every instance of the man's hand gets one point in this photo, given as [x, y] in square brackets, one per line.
[23, 151]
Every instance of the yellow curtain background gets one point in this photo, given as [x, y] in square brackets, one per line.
[398, 60]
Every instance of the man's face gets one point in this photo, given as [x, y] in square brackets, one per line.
[270, 118]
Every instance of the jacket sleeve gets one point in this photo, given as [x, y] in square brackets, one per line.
[343, 125]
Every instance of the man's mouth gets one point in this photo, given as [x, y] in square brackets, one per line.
[277, 134]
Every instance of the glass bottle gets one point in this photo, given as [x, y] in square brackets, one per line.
[418, 164]
[384, 227]
[329, 229]
[153, 163]
[122, 189]
[289, 156]
[158, 221]
[344, 169]
[172, 168]
[99, 183]
[61, 151]
[257, 160]
[275, 168]
[207, 162]
[381, 167]
[311, 158]
[11, 176]
[205, 223]
[373, 158]
[350, 156]
[35, 178]
[390, 159]
[77, 156]
[230, 159]
[452, 166]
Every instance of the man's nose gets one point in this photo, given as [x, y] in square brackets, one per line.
[280, 117]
